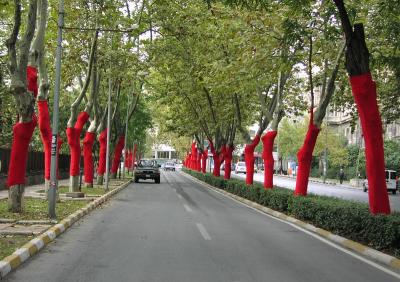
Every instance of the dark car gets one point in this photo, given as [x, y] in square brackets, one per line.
[147, 169]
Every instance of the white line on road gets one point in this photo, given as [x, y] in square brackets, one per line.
[203, 231]
[180, 197]
[187, 208]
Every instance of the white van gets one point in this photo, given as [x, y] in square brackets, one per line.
[391, 181]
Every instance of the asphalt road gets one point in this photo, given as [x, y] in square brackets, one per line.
[181, 231]
[339, 191]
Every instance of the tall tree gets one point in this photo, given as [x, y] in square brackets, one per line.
[24, 95]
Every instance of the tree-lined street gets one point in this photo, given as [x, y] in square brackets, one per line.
[182, 231]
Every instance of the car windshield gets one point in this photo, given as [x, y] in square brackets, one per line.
[146, 163]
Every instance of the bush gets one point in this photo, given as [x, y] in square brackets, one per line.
[345, 218]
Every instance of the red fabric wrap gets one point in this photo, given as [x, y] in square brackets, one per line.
[364, 92]
[32, 77]
[198, 161]
[217, 161]
[249, 159]
[22, 134]
[228, 162]
[204, 157]
[194, 156]
[101, 169]
[268, 145]
[73, 137]
[88, 142]
[117, 154]
[134, 155]
[45, 135]
[304, 157]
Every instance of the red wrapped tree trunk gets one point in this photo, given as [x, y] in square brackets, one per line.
[304, 157]
[45, 135]
[364, 92]
[198, 161]
[249, 159]
[88, 172]
[134, 156]
[73, 138]
[117, 155]
[228, 162]
[22, 134]
[268, 145]
[31, 78]
[204, 157]
[101, 169]
[217, 161]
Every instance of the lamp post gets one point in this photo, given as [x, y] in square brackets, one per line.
[54, 158]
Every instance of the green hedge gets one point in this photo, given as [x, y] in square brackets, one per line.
[345, 218]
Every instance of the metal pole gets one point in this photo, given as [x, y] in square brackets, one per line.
[126, 138]
[54, 156]
[108, 123]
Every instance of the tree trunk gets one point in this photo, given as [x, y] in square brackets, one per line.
[268, 145]
[249, 159]
[73, 137]
[304, 157]
[228, 161]
[45, 135]
[204, 157]
[364, 92]
[16, 198]
[88, 172]
[117, 155]
[101, 169]
[22, 134]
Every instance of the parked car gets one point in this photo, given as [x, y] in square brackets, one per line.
[391, 181]
[169, 166]
[240, 167]
[232, 166]
[147, 169]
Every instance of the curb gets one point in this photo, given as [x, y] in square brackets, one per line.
[339, 240]
[35, 245]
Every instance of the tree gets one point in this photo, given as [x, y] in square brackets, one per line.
[364, 92]
[23, 93]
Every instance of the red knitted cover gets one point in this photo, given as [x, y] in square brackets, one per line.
[101, 169]
[228, 162]
[73, 138]
[88, 142]
[45, 134]
[217, 160]
[268, 146]
[31, 77]
[364, 92]
[22, 134]
[249, 159]
[304, 157]
[194, 157]
[117, 154]
[204, 157]
[134, 155]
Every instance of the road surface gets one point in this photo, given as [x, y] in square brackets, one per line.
[180, 231]
[339, 191]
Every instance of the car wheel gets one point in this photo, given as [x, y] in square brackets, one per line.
[365, 189]
[157, 180]
[394, 192]
[136, 180]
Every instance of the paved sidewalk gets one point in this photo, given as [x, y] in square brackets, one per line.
[30, 191]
